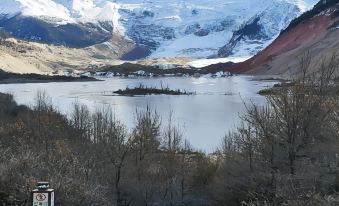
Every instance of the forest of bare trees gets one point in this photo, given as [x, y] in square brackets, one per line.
[284, 153]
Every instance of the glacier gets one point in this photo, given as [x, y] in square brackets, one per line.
[174, 28]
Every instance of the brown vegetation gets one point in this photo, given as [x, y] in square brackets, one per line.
[13, 78]
[144, 90]
[285, 153]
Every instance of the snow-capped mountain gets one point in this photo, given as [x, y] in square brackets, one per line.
[159, 28]
[314, 33]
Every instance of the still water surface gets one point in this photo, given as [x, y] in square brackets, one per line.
[204, 118]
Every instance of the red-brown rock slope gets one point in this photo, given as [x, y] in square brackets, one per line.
[316, 32]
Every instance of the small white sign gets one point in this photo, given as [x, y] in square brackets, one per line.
[40, 199]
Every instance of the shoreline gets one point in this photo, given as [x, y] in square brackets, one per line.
[35, 81]
[14, 78]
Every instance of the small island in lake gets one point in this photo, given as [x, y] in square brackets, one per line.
[144, 90]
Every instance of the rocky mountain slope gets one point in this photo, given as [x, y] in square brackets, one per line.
[21, 56]
[315, 32]
[158, 28]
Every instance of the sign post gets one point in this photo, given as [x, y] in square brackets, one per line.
[42, 195]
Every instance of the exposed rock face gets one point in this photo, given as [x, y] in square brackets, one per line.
[259, 31]
[202, 32]
[73, 35]
[251, 31]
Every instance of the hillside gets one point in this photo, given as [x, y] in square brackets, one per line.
[21, 56]
[316, 32]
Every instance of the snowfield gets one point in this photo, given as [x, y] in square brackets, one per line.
[206, 62]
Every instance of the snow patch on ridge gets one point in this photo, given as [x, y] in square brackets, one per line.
[303, 5]
[44, 8]
[206, 62]
[110, 12]
[9, 8]
[192, 46]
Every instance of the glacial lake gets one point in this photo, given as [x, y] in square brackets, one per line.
[204, 118]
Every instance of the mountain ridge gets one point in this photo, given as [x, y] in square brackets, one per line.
[314, 33]
[158, 28]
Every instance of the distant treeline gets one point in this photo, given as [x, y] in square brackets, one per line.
[8, 77]
[284, 153]
[131, 68]
[156, 70]
[4, 34]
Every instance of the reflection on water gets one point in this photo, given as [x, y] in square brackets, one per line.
[205, 118]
